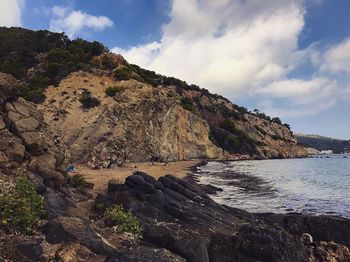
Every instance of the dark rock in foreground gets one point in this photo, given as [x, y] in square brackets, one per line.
[179, 217]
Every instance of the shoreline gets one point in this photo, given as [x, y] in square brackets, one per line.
[101, 177]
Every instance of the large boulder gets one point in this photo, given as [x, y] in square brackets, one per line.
[72, 229]
[45, 166]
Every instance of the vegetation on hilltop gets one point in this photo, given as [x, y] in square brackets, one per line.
[324, 143]
[41, 58]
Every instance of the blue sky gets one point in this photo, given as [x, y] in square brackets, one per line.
[288, 58]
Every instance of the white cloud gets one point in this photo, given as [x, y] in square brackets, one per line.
[239, 48]
[10, 12]
[292, 111]
[302, 92]
[225, 46]
[299, 97]
[73, 22]
[337, 58]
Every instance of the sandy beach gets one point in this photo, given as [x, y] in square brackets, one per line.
[101, 177]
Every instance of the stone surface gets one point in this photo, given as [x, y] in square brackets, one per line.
[31, 249]
[55, 204]
[45, 166]
[143, 123]
[146, 254]
[25, 138]
[66, 229]
[74, 252]
[179, 216]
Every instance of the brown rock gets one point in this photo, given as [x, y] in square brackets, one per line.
[4, 161]
[74, 252]
[331, 252]
[45, 166]
[29, 124]
[34, 142]
[2, 123]
[65, 229]
[16, 151]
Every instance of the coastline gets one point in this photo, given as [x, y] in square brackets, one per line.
[101, 177]
[179, 218]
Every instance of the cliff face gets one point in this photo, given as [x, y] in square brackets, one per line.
[146, 115]
[140, 123]
[26, 143]
[277, 140]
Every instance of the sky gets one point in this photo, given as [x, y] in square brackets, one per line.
[288, 58]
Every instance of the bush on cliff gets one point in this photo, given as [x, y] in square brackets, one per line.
[113, 90]
[21, 208]
[243, 137]
[187, 104]
[123, 221]
[88, 101]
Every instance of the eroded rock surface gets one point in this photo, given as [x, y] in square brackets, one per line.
[180, 217]
[143, 122]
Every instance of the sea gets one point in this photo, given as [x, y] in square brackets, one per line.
[319, 185]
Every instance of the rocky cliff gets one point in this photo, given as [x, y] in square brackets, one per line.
[26, 141]
[142, 122]
[107, 111]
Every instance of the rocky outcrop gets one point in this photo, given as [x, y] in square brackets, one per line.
[277, 140]
[139, 123]
[25, 140]
[178, 216]
[28, 147]
[142, 123]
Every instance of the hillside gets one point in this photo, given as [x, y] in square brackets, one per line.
[323, 143]
[102, 111]
[145, 116]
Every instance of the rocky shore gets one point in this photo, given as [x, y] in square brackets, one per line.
[181, 223]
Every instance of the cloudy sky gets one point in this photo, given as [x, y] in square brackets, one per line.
[288, 58]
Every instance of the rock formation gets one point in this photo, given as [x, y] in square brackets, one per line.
[180, 218]
[25, 139]
[142, 123]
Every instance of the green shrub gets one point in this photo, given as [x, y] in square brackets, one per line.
[107, 62]
[124, 221]
[113, 90]
[77, 181]
[20, 210]
[187, 104]
[243, 137]
[232, 139]
[33, 94]
[88, 101]
[123, 73]
[225, 139]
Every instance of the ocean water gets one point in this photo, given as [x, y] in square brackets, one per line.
[309, 185]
